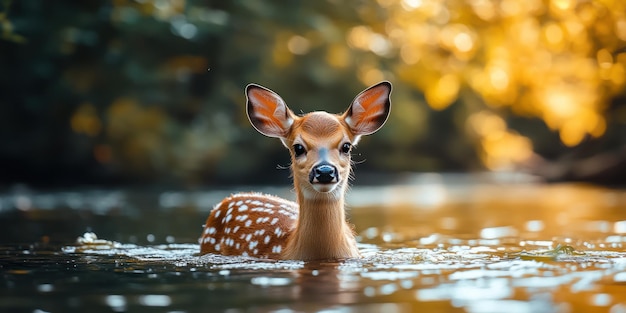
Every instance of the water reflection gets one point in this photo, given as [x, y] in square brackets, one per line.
[478, 248]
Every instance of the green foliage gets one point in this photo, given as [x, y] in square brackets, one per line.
[6, 25]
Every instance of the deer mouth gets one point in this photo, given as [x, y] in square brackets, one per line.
[324, 187]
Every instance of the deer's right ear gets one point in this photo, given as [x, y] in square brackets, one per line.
[267, 112]
[369, 110]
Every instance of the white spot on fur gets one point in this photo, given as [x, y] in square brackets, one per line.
[287, 213]
[267, 239]
[236, 229]
[259, 232]
[248, 237]
[253, 244]
[248, 223]
[242, 208]
[262, 219]
[274, 221]
[277, 249]
[278, 231]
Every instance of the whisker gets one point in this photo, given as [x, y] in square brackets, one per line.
[282, 167]
[358, 162]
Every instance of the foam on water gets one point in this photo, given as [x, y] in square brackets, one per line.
[469, 273]
[464, 263]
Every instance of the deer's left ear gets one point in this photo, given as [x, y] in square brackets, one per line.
[369, 109]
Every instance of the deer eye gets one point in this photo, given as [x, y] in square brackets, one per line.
[345, 148]
[298, 150]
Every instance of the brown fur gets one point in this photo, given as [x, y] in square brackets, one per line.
[320, 124]
[266, 217]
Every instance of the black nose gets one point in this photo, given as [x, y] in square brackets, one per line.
[324, 173]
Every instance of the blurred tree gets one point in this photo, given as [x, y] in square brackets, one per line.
[548, 59]
[152, 90]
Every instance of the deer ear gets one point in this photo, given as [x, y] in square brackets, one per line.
[369, 109]
[267, 112]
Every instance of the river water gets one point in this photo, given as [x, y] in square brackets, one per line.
[430, 243]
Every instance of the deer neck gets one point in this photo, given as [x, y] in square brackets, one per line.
[321, 231]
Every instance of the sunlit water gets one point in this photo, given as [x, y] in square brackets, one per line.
[430, 244]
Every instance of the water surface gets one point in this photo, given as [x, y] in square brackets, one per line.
[429, 244]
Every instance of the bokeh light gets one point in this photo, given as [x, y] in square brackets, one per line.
[551, 59]
[153, 89]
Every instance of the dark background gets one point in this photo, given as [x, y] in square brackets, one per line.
[151, 92]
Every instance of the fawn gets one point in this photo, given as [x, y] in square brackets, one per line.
[314, 227]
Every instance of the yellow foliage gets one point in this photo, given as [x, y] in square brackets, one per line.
[86, 121]
[163, 10]
[443, 92]
[552, 59]
[370, 75]
[338, 56]
[500, 148]
[126, 116]
[281, 56]
[191, 63]
[138, 133]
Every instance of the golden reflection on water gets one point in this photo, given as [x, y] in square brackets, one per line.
[436, 244]
[575, 234]
[431, 243]
[491, 211]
